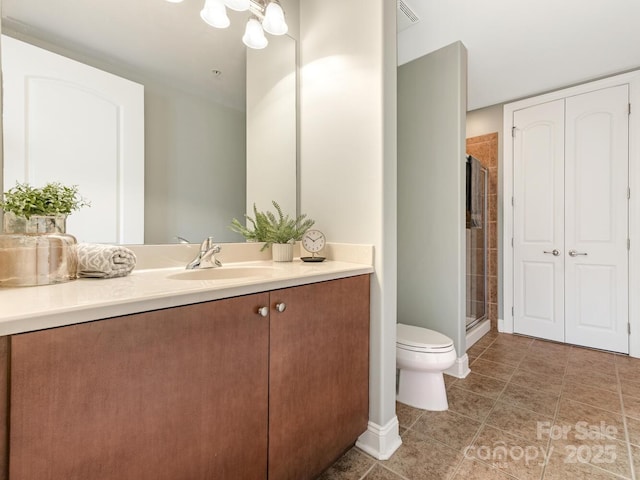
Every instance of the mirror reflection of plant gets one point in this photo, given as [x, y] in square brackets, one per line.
[272, 227]
[23, 200]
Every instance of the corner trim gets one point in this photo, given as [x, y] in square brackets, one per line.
[380, 441]
[460, 369]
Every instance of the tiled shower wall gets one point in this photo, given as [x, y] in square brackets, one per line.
[485, 149]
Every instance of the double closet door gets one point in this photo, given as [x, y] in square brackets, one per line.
[571, 177]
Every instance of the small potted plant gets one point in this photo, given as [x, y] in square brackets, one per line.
[29, 209]
[35, 248]
[277, 230]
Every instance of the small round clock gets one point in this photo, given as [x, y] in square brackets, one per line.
[313, 241]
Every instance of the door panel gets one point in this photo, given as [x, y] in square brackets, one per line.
[596, 219]
[538, 221]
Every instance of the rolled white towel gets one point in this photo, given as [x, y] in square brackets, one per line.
[104, 261]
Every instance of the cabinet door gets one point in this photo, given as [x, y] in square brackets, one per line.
[174, 394]
[318, 375]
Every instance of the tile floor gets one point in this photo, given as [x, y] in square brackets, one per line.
[529, 409]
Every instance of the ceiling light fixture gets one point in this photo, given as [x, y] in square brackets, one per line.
[265, 16]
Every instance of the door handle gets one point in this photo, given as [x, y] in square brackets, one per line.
[555, 252]
[573, 253]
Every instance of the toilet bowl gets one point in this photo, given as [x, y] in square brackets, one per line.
[421, 357]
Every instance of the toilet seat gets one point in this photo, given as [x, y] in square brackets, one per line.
[418, 339]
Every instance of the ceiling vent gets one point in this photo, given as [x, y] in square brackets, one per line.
[406, 16]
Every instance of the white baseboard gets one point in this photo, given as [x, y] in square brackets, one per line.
[460, 369]
[477, 332]
[381, 442]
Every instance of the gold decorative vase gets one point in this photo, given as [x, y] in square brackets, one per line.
[36, 251]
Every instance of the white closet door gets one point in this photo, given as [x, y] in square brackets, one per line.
[65, 121]
[538, 221]
[596, 222]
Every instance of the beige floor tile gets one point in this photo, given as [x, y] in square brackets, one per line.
[604, 453]
[351, 466]
[631, 389]
[474, 470]
[546, 365]
[580, 414]
[537, 380]
[631, 406]
[517, 421]
[482, 385]
[501, 371]
[508, 453]
[551, 348]
[633, 428]
[600, 379]
[560, 468]
[531, 399]
[476, 350]
[449, 380]
[420, 457]
[378, 472]
[515, 341]
[503, 354]
[590, 355]
[406, 414]
[448, 427]
[469, 404]
[635, 458]
[604, 399]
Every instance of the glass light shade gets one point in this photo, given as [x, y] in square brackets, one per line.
[273, 21]
[238, 5]
[215, 14]
[254, 35]
[174, 1]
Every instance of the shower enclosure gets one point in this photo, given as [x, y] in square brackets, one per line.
[476, 244]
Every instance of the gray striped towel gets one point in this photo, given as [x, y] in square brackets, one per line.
[104, 261]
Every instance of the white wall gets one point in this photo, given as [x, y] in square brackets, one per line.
[194, 167]
[431, 192]
[272, 120]
[348, 164]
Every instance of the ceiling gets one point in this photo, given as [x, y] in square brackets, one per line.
[516, 48]
[519, 48]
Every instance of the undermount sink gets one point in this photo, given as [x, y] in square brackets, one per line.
[222, 273]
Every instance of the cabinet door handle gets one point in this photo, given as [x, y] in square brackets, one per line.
[555, 252]
[573, 253]
[281, 307]
[263, 311]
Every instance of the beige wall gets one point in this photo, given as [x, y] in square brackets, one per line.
[348, 164]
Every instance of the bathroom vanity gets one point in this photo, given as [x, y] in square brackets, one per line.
[222, 388]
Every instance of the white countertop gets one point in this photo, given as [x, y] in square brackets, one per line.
[34, 308]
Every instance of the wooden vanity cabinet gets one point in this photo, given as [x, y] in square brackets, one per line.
[318, 375]
[172, 394]
[199, 392]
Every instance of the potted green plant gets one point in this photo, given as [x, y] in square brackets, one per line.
[29, 209]
[277, 230]
[35, 248]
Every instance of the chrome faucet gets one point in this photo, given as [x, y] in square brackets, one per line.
[206, 258]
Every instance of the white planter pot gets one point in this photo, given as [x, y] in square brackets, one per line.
[282, 252]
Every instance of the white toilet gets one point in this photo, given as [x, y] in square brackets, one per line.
[422, 355]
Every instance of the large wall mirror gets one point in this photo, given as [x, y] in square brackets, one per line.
[219, 120]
